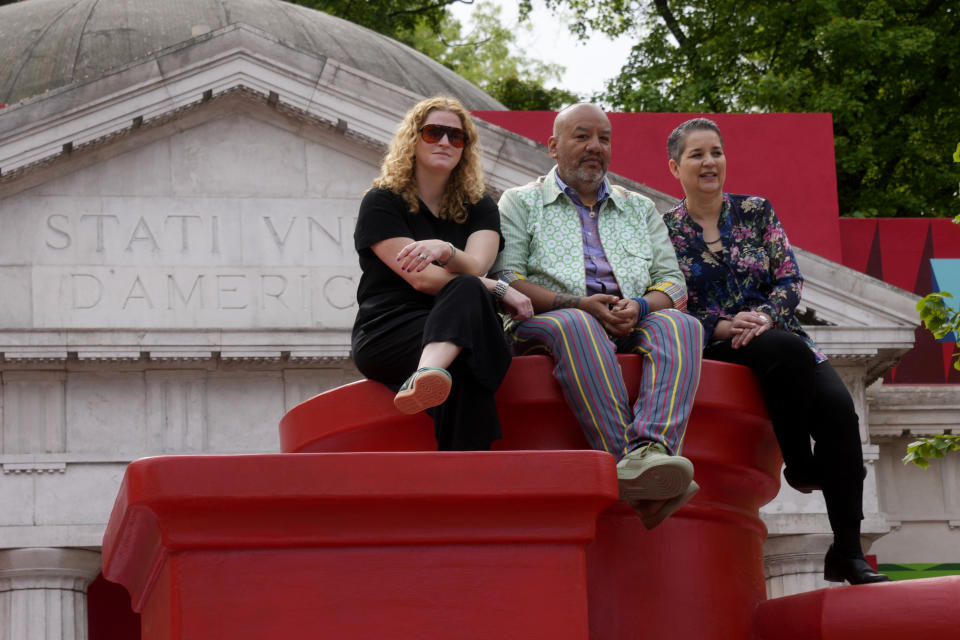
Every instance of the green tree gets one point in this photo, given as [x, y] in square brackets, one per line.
[526, 95]
[482, 52]
[395, 18]
[888, 71]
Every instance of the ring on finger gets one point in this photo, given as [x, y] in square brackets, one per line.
[422, 257]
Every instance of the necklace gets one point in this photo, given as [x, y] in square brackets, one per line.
[713, 241]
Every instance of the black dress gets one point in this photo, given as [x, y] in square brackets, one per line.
[395, 321]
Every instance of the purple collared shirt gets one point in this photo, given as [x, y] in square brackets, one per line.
[599, 273]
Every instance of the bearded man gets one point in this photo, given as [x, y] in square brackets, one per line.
[598, 266]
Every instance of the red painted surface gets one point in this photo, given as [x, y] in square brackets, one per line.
[785, 157]
[901, 248]
[702, 570]
[718, 537]
[359, 545]
[361, 416]
[888, 611]
[946, 238]
[857, 237]
[109, 615]
[898, 251]
[508, 544]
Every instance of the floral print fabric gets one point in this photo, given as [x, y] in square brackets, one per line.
[754, 271]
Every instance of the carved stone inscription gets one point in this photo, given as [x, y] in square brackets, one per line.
[249, 263]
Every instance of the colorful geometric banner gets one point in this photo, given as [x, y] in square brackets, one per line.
[946, 277]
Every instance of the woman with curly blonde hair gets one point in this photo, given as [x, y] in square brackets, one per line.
[426, 235]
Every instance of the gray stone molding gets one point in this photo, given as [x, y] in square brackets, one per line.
[918, 410]
[867, 322]
[842, 296]
[23, 348]
[923, 505]
[794, 563]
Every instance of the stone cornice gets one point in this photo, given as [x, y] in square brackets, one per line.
[921, 410]
[874, 349]
[865, 322]
[838, 295]
[26, 348]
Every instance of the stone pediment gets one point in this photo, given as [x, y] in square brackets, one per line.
[856, 317]
[323, 92]
[840, 296]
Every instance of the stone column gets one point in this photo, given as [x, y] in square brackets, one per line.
[794, 564]
[852, 371]
[43, 593]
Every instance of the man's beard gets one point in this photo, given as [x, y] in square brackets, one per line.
[589, 175]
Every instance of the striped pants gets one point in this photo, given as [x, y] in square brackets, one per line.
[586, 367]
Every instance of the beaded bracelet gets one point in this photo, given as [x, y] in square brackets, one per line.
[644, 308]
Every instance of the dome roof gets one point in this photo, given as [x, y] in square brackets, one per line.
[47, 44]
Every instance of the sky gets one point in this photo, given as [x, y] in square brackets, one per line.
[588, 65]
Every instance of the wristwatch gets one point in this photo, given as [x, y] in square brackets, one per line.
[500, 289]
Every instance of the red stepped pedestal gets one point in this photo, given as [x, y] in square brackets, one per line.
[927, 609]
[359, 545]
[339, 541]
[702, 566]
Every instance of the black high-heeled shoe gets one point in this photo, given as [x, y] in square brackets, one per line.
[807, 481]
[837, 568]
[802, 481]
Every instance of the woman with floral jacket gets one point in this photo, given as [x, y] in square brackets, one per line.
[744, 285]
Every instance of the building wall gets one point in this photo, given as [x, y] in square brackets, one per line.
[157, 300]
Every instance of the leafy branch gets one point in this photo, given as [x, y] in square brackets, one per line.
[921, 451]
[939, 319]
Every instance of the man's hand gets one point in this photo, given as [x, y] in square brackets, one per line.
[599, 306]
[626, 313]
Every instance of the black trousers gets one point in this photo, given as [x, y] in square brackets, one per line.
[462, 313]
[808, 400]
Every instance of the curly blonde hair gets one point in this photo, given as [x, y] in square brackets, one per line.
[397, 171]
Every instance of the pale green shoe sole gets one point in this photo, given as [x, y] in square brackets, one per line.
[669, 507]
[655, 476]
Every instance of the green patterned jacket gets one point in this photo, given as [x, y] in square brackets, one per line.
[544, 241]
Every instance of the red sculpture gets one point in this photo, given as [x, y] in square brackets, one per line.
[358, 530]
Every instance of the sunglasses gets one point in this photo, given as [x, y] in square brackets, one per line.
[433, 133]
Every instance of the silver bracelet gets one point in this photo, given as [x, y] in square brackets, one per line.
[500, 289]
[453, 252]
